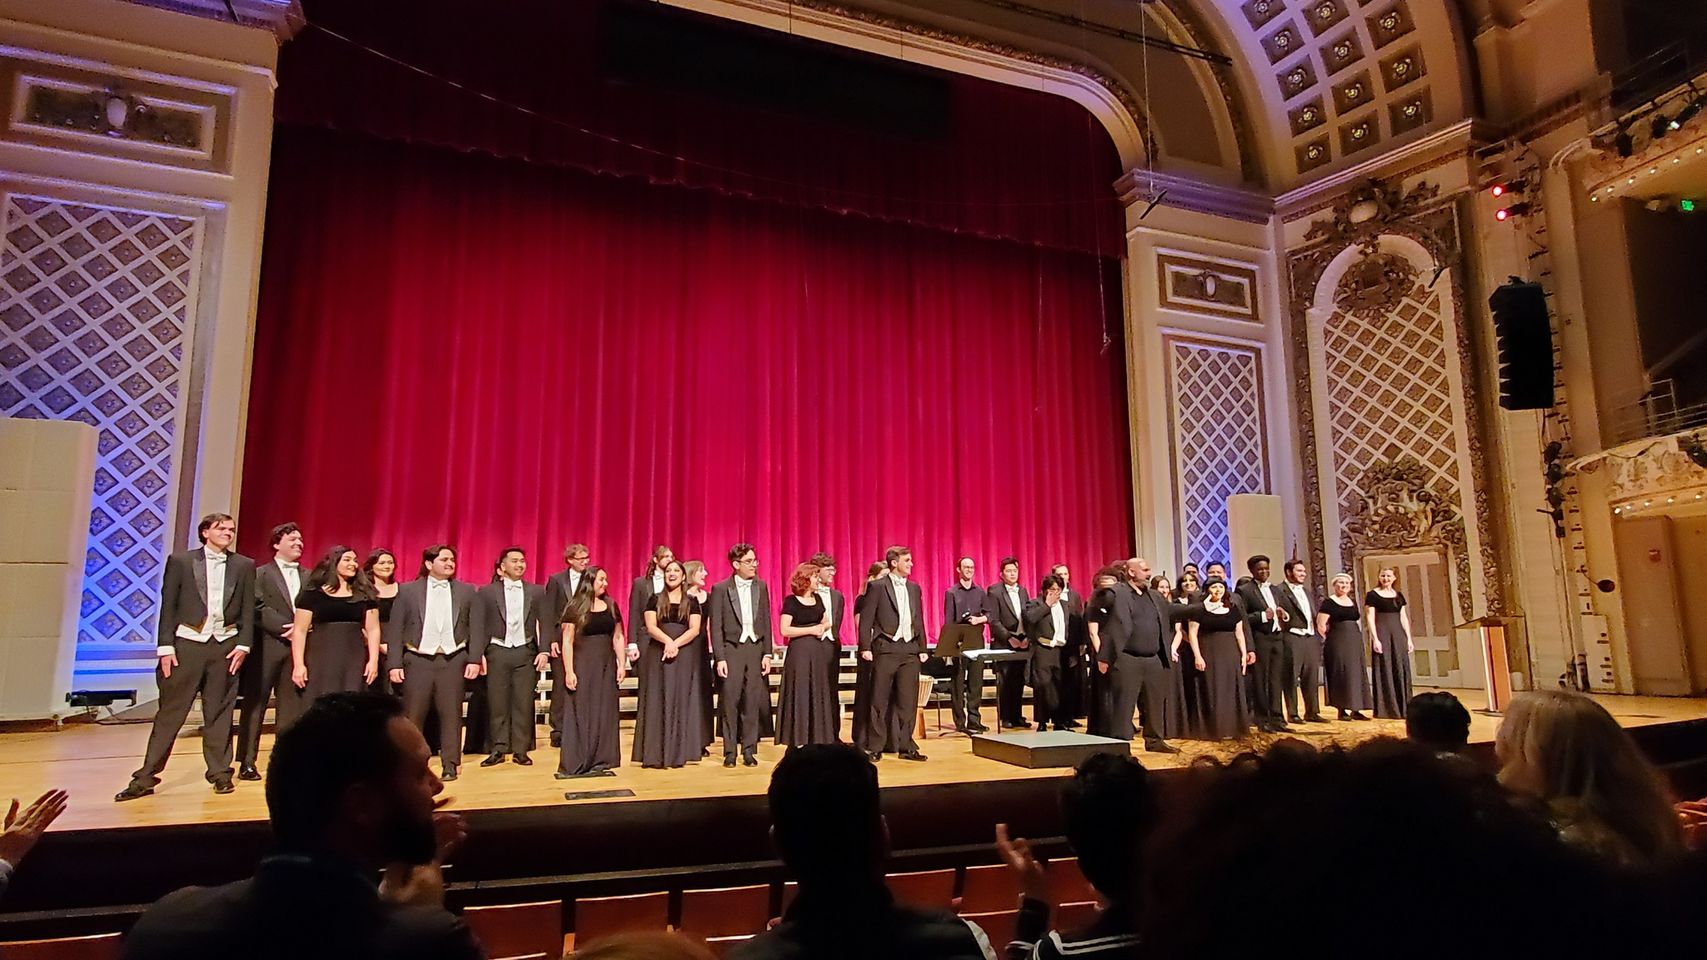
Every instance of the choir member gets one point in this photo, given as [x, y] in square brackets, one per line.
[206, 626]
[264, 675]
[1337, 620]
[696, 583]
[862, 664]
[1189, 569]
[645, 587]
[1007, 632]
[594, 664]
[1388, 624]
[1267, 651]
[1075, 659]
[334, 645]
[1135, 654]
[427, 650]
[1303, 677]
[381, 569]
[807, 711]
[672, 649]
[511, 620]
[1098, 610]
[1217, 629]
[892, 640]
[1175, 721]
[1189, 589]
[836, 606]
[1193, 708]
[1214, 570]
[559, 589]
[1046, 623]
[969, 604]
[741, 646]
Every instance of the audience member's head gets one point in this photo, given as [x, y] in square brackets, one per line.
[1108, 810]
[1438, 721]
[652, 945]
[1565, 750]
[350, 779]
[1374, 827]
[825, 818]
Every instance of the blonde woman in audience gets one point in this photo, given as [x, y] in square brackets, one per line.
[1566, 751]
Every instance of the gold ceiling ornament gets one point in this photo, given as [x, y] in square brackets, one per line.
[1397, 508]
[1367, 210]
[1375, 285]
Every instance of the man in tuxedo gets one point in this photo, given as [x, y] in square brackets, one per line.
[649, 584]
[969, 604]
[266, 672]
[1007, 632]
[349, 794]
[892, 639]
[1265, 626]
[1075, 659]
[1046, 623]
[1134, 654]
[427, 649]
[1303, 647]
[559, 590]
[835, 607]
[206, 627]
[741, 646]
[509, 626]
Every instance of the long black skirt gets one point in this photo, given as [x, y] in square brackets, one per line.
[335, 655]
[591, 740]
[670, 730]
[807, 709]
[1227, 714]
[1348, 673]
[1391, 668]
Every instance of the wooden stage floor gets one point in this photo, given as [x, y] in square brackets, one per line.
[94, 761]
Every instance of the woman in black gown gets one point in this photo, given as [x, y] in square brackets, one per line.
[595, 661]
[334, 645]
[1186, 715]
[862, 666]
[1389, 626]
[696, 577]
[1189, 589]
[807, 710]
[671, 682]
[1337, 618]
[1218, 629]
[381, 570]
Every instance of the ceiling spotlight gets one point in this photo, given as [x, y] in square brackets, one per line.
[1515, 210]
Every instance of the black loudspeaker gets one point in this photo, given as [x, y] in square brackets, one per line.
[1525, 342]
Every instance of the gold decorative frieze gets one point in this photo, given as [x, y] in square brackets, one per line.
[120, 113]
[113, 112]
[1194, 285]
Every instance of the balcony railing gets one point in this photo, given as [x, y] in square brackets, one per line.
[1655, 413]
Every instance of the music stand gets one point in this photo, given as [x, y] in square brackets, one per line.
[957, 638]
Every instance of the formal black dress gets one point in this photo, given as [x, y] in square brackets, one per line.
[382, 683]
[708, 688]
[590, 720]
[1342, 655]
[1226, 713]
[1191, 684]
[1174, 724]
[335, 651]
[1391, 668]
[807, 710]
[672, 694]
[862, 683]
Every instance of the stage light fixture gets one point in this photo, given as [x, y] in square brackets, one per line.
[1624, 144]
[1661, 126]
[1515, 210]
[1696, 451]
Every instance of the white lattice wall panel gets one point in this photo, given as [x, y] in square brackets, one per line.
[94, 308]
[1390, 394]
[1219, 443]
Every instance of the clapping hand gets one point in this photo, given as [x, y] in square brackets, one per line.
[1016, 853]
[22, 831]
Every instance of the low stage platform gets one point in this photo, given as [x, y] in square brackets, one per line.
[104, 860]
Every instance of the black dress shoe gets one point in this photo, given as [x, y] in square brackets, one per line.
[748, 760]
[224, 785]
[523, 760]
[1070, 725]
[1315, 718]
[134, 791]
[492, 760]
[1017, 725]
[1358, 716]
[729, 759]
[913, 755]
[248, 772]
[873, 756]
[448, 775]
[980, 728]
[1160, 746]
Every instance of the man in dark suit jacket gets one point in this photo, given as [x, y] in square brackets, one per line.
[741, 646]
[640, 593]
[1075, 659]
[1265, 629]
[349, 793]
[266, 672]
[1047, 624]
[509, 624]
[837, 604]
[206, 627]
[1007, 632]
[559, 590]
[1303, 674]
[427, 649]
[1135, 654]
[892, 638]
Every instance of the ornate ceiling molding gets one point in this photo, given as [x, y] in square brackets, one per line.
[282, 18]
[1237, 203]
[1444, 146]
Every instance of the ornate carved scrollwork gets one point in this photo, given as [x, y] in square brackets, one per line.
[1375, 285]
[1397, 508]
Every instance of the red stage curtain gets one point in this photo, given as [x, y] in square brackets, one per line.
[981, 157]
[484, 352]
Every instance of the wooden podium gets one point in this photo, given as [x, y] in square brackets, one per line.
[1496, 664]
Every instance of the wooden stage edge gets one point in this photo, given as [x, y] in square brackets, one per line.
[106, 858]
